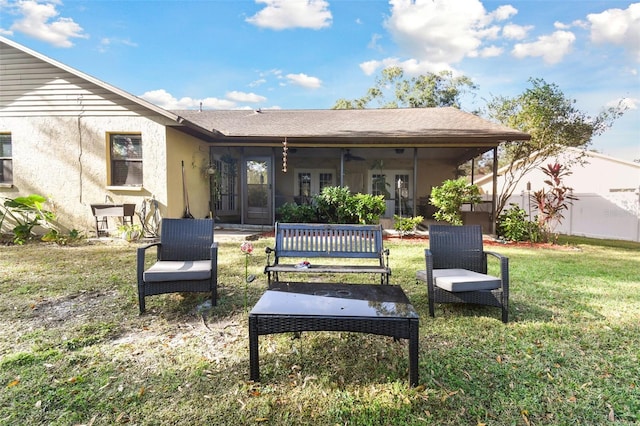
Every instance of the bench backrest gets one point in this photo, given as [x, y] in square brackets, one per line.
[328, 240]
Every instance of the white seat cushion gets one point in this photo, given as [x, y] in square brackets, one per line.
[458, 280]
[178, 270]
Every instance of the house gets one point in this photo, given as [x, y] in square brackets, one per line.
[607, 191]
[80, 141]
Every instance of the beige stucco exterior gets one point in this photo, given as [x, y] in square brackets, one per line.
[66, 160]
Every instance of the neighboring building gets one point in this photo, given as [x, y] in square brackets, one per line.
[607, 191]
[80, 141]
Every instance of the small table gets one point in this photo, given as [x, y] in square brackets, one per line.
[294, 307]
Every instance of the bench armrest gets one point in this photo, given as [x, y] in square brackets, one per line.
[268, 251]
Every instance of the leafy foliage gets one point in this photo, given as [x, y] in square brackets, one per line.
[406, 225]
[514, 225]
[552, 202]
[424, 91]
[552, 120]
[335, 204]
[450, 196]
[26, 213]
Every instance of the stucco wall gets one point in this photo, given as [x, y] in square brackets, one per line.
[195, 154]
[65, 159]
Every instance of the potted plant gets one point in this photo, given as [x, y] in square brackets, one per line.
[130, 231]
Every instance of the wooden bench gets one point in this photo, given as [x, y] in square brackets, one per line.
[312, 242]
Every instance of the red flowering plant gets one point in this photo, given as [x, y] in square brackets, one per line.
[247, 249]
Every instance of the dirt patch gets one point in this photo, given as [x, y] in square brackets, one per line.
[75, 307]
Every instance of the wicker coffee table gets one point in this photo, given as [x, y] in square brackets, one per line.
[294, 307]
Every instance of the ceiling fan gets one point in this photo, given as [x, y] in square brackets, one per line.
[348, 156]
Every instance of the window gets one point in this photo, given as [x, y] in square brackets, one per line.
[6, 160]
[310, 182]
[223, 184]
[126, 160]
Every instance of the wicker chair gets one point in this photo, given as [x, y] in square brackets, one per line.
[186, 260]
[457, 266]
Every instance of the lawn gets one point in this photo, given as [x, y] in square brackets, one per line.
[74, 350]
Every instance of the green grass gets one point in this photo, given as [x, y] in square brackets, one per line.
[73, 349]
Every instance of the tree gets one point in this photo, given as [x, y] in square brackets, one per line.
[552, 120]
[423, 91]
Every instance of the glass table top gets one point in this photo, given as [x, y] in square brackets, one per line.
[327, 299]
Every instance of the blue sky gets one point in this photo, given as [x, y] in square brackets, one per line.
[306, 54]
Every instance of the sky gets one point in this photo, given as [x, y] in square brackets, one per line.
[307, 54]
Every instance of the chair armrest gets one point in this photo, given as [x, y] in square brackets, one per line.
[428, 257]
[140, 258]
[504, 267]
[214, 261]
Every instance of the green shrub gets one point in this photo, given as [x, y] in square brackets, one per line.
[450, 196]
[297, 213]
[335, 204]
[514, 225]
[26, 213]
[406, 225]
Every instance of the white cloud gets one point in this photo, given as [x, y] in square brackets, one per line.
[551, 48]
[41, 21]
[304, 81]
[444, 31]
[244, 97]
[575, 24]
[165, 100]
[410, 66]
[106, 42]
[626, 103]
[504, 12]
[258, 82]
[617, 26]
[373, 43]
[283, 14]
[490, 52]
[516, 32]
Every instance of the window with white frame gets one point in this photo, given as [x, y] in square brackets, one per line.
[125, 151]
[309, 182]
[6, 159]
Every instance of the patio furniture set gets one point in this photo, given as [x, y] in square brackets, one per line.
[456, 272]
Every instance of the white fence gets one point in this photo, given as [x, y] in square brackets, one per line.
[614, 216]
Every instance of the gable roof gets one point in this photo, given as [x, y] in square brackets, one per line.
[415, 126]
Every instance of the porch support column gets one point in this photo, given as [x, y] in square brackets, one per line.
[341, 167]
[415, 182]
[495, 191]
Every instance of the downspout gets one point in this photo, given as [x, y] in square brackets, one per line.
[495, 190]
